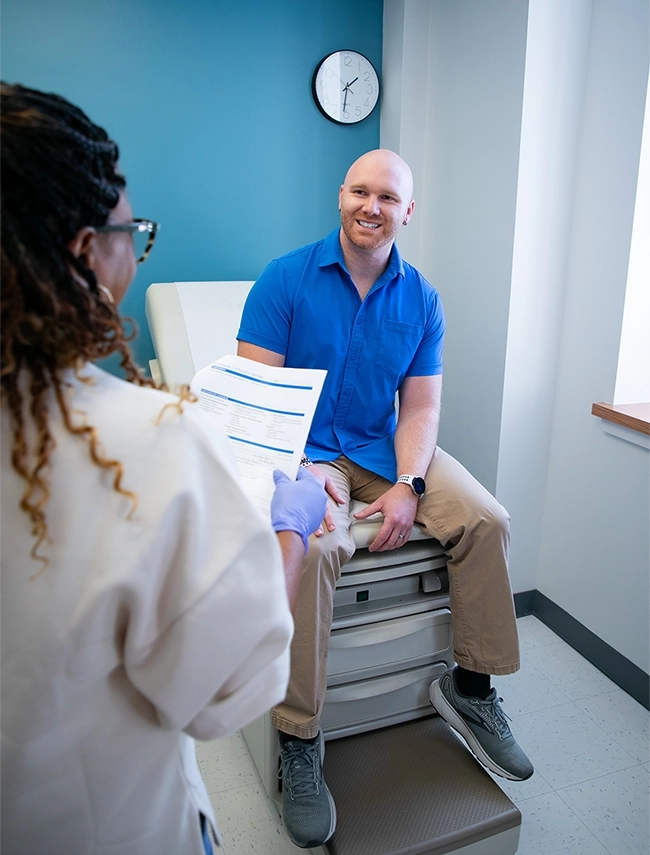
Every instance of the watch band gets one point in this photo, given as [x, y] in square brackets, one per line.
[417, 484]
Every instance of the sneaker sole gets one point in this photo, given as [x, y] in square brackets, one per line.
[327, 790]
[315, 843]
[446, 710]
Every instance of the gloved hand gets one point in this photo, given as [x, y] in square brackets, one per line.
[298, 505]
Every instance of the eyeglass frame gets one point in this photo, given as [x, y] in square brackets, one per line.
[138, 225]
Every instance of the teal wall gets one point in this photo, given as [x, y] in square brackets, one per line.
[210, 103]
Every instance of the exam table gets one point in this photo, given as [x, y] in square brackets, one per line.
[402, 781]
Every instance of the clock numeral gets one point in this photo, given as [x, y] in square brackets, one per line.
[366, 76]
[357, 111]
[347, 61]
[371, 88]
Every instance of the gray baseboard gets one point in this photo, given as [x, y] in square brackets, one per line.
[613, 664]
[524, 603]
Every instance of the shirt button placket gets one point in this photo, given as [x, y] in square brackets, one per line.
[349, 375]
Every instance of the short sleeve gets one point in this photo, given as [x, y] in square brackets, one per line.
[428, 357]
[266, 319]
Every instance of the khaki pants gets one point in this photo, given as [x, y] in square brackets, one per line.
[474, 529]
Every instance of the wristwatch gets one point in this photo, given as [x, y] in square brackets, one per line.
[416, 484]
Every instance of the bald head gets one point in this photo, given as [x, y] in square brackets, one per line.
[385, 166]
[375, 200]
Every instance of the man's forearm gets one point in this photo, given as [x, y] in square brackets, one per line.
[416, 434]
[416, 437]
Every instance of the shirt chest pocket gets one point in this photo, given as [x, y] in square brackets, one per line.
[397, 343]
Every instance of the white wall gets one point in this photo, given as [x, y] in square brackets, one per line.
[594, 555]
[554, 88]
[526, 189]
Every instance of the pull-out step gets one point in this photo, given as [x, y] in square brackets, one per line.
[413, 789]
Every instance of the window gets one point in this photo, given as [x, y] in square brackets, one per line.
[633, 375]
[631, 407]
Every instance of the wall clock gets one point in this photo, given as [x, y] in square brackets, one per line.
[345, 87]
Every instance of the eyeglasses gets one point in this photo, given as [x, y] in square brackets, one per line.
[143, 232]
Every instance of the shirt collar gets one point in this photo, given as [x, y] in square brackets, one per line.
[331, 253]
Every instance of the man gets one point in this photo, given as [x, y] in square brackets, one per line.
[349, 304]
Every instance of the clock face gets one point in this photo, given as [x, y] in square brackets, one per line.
[345, 87]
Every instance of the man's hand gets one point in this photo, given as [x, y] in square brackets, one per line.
[398, 506]
[330, 489]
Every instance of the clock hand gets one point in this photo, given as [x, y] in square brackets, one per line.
[348, 91]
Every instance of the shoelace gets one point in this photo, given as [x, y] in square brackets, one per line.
[493, 715]
[300, 769]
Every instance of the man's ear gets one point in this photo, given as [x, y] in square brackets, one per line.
[82, 245]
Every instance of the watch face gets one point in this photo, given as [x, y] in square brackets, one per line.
[345, 87]
[418, 486]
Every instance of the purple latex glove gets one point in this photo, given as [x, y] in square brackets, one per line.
[298, 505]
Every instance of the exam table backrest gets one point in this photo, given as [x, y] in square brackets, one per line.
[192, 324]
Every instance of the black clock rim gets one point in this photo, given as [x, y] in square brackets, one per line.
[315, 96]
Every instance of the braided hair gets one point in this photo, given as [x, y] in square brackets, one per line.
[59, 174]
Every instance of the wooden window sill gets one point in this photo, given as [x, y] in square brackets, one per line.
[633, 416]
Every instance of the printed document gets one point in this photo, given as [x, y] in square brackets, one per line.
[266, 412]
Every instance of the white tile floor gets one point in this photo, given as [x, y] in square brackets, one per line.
[587, 739]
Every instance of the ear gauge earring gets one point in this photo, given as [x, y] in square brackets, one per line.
[109, 297]
[405, 222]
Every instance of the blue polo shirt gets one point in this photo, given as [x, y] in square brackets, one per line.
[306, 307]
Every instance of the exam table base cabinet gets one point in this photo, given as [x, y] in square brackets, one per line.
[390, 639]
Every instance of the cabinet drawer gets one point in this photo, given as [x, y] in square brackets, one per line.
[381, 700]
[367, 650]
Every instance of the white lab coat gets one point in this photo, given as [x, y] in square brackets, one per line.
[140, 634]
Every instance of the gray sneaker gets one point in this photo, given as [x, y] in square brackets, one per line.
[484, 727]
[308, 810]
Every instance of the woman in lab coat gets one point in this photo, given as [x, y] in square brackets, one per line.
[144, 600]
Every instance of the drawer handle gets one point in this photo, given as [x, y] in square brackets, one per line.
[380, 686]
[373, 635]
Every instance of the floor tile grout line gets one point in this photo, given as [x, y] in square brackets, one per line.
[613, 738]
[576, 814]
[572, 811]
[584, 824]
[597, 778]
[576, 783]
[258, 784]
[566, 703]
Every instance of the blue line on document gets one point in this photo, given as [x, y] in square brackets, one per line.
[257, 380]
[252, 406]
[260, 445]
